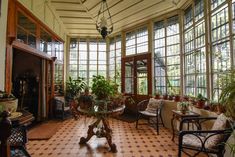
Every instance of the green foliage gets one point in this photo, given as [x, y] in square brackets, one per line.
[200, 97]
[183, 104]
[5, 95]
[102, 88]
[74, 87]
[227, 96]
[232, 147]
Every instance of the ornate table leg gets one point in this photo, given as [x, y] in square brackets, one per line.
[90, 132]
[108, 135]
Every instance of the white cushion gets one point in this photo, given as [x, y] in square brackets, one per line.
[147, 113]
[192, 140]
[153, 105]
[221, 123]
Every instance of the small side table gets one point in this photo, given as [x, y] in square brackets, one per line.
[178, 115]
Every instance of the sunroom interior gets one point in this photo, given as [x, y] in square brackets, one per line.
[80, 77]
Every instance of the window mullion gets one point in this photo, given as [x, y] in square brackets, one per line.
[231, 31]
[88, 59]
[166, 76]
[208, 48]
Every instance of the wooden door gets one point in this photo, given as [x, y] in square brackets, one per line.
[137, 78]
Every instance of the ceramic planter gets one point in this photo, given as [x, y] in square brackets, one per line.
[8, 105]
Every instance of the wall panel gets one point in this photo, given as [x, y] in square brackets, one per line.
[3, 27]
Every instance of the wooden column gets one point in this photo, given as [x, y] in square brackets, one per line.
[52, 62]
[11, 35]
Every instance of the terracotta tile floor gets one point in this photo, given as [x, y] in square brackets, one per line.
[130, 142]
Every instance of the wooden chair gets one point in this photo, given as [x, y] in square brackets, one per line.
[203, 141]
[143, 113]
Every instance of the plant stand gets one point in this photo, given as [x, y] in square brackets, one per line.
[103, 131]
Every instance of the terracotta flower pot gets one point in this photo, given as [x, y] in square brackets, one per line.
[186, 98]
[157, 96]
[177, 98]
[165, 96]
[200, 104]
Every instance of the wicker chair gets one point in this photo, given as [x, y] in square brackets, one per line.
[200, 141]
[143, 113]
[61, 109]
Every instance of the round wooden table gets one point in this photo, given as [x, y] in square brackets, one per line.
[104, 130]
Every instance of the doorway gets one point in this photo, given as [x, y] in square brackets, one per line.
[137, 77]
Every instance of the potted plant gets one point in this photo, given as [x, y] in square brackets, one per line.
[165, 96]
[103, 90]
[227, 96]
[176, 93]
[158, 95]
[85, 99]
[183, 106]
[8, 102]
[186, 98]
[74, 88]
[201, 100]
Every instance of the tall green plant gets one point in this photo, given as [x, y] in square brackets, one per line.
[227, 96]
[74, 87]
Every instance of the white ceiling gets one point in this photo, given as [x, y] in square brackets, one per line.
[79, 16]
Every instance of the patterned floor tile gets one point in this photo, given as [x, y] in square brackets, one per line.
[130, 142]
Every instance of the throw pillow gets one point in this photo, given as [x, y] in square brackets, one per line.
[153, 105]
[221, 123]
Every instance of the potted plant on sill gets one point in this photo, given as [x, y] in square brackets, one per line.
[201, 100]
[158, 95]
[165, 96]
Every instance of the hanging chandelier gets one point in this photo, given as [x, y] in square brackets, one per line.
[104, 24]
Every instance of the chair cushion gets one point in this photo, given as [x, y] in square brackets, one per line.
[153, 105]
[192, 140]
[147, 113]
[221, 123]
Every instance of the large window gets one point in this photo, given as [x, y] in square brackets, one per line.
[73, 58]
[221, 61]
[115, 60]
[137, 41]
[87, 57]
[195, 52]
[167, 55]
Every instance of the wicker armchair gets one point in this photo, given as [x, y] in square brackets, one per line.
[203, 141]
[61, 109]
[143, 113]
